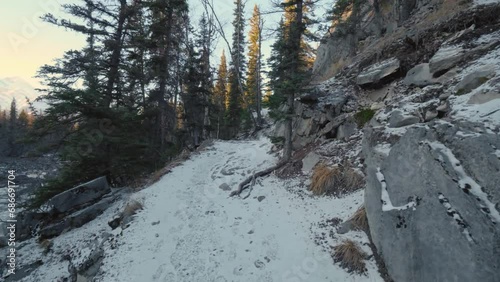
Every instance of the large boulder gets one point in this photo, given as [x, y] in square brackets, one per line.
[27, 224]
[445, 58]
[475, 79]
[77, 219]
[79, 196]
[398, 119]
[379, 72]
[419, 75]
[432, 203]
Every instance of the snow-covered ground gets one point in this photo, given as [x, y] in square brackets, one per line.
[190, 230]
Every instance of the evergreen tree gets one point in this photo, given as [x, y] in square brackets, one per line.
[220, 94]
[289, 66]
[236, 87]
[308, 53]
[198, 85]
[277, 64]
[118, 122]
[13, 112]
[2, 120]
[24, 119]
[166, 20]
[254, 80]
[12, 130]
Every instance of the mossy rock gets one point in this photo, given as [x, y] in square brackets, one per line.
[363, 116]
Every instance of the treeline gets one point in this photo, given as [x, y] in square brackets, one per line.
[15, 127]
[143, 88]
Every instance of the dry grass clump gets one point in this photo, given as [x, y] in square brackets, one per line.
[335, 181]
[359, 219]
[132, 207]
[46, 245]
[350, 257]
[323, 179]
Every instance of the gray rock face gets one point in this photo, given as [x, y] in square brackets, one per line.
[347, 129]
[419, 76]
[430, 115]
[375, 73]
[86, 193]
[397, 119]
[76, 219]
[27, 224]
[338, 47]
[475, 79]
[319, 110]
[450, 234]
[445, 58]
[309, 161]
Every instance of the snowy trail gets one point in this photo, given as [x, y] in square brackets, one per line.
[190, 230]
[205, 236]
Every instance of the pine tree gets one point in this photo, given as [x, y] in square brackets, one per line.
[198, 85]
[308, 54]
[277, 64]
[254, 80]
[236, 87]
[24, 119]
[3, 117]
[13, 115]
[166, 18]
[289, 66]
[220, 94]
[2, 120]
[117, 122]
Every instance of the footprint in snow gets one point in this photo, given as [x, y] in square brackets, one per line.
[159, 276]
[271, 247]
[266, 277]
[238, 271]
[170, 277]
[219, 279]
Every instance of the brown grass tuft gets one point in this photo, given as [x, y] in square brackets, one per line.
[350, 256]
[359, 219]
[46, 245]
[132, 207]
[323, 179]
[335, 181]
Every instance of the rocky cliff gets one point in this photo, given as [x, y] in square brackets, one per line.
[409, 93]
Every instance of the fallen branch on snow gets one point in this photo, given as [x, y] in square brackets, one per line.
[244, 185]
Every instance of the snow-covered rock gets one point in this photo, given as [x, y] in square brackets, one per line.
[446, 58]
[419, 75]
[377, 72]
[452, 233]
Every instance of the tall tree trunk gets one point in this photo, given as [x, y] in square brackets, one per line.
[294, 39]
[259, 79]
[164, 75]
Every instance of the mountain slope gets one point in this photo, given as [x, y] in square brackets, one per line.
[16, 87]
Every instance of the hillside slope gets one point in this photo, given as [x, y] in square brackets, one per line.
[410, 92]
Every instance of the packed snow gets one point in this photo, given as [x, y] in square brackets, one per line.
[191, 230]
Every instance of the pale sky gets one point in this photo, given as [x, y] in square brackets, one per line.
[28, 43]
